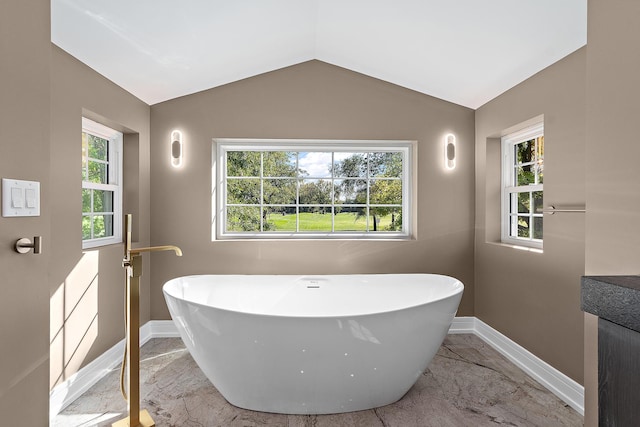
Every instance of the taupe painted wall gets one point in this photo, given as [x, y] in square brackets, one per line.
[612, 153]
[24, 154]
[44, 93]
[318, 101]
[613, 181]
[87, 287]
[534, 298]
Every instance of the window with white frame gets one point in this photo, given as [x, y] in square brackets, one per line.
[101, 184]
[313, 189]
[522, 190]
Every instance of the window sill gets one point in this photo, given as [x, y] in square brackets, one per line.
[92, 245]
[311, 238]
[517, 247]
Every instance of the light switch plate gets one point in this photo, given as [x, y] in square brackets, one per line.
[20, 198]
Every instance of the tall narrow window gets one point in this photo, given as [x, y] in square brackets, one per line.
[101, 184]
[522, 195]
[313, 189]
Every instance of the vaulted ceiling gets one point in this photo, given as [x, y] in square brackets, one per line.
[463, 51]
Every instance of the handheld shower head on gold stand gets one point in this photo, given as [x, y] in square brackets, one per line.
[132, 263]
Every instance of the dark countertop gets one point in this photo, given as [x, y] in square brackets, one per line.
[614, 298]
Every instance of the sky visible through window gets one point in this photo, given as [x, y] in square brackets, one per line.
[317, 164]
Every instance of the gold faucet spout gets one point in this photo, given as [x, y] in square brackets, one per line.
[138, 251]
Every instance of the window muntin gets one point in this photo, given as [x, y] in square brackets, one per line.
[313, 189]
[101, 184]
[522, 191]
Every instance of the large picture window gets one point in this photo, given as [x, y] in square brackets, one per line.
[101, 184]
[523, 180]
[313, 189]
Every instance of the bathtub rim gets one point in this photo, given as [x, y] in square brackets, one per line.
[458, 292]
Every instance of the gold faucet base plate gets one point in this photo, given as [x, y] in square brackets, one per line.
[145, 421]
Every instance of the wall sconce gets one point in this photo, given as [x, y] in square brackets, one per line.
[176, 148]
[450, 151]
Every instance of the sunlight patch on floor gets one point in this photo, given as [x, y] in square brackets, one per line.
[85, 420]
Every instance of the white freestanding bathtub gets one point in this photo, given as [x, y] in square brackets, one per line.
[313, 344]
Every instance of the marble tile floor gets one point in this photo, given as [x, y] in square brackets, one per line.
[467, 384]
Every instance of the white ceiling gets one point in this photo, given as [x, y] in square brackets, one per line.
[463, 51]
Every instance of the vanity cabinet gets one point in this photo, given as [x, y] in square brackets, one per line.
[616, 302]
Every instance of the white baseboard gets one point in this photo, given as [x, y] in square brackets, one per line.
[75, 386]
[160, 329]
[463, 325]
[555, 381]
[558, 383]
